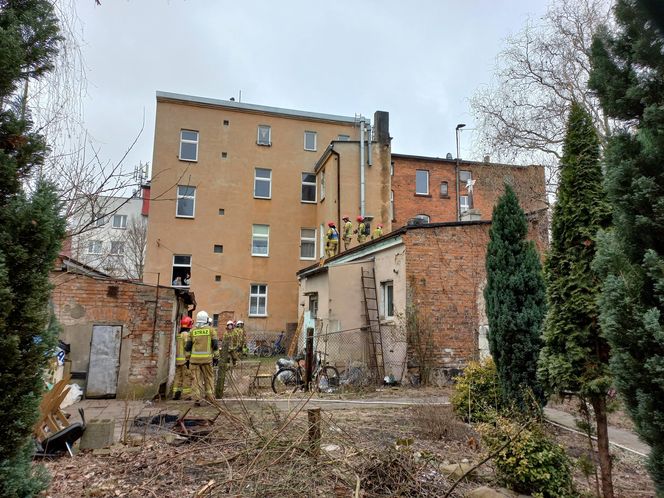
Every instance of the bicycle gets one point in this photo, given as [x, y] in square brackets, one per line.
[265, 351]
[291, 378]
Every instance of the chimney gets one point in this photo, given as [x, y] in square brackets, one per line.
[145, 195]
[382, 127]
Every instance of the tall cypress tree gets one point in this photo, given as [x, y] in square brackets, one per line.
[575, 355]
[31, 231]
[515, 302]
[628, 75]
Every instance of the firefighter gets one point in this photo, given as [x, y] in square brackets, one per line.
[240, 337]
[202, 350]
[331, 240]
[229, 336]
[378, 231]
[347, 232]
[182, 383]
[361, 230]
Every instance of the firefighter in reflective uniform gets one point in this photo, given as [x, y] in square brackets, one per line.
[182, 382]
[240, 337]
[361, 228]
[331, 240]
[202, 350]
[229, 335]
[378, 231]
[347, 232]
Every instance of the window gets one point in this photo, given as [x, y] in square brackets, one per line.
[226, 122]
[392, 168]
[117, 247]
[464, 203]
[188, 145]
[264, 135]
[343, 138]
[120, 221]
[444, 192]
[260, 240]
[224, 155]
[421, 182]
[181, 270]
[100, 221]
[308, 243]
[322, 185]
[310, 140]
[388, 299]
[322, 241]
[392, 204]
[94, 247]
[424, 217]
[258, 300]
[308, 187]
[186, 203]
[217, 278]
[215, 319]
[262, 183]
[219, 249]
[221, 212]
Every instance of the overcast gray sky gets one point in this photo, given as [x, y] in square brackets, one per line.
[421, 61]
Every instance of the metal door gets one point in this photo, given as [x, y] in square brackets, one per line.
[104, 361]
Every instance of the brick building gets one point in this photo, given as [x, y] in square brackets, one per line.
[426, 187]
[435, 270]
[121, 333]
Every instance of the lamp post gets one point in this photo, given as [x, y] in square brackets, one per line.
[456, 169]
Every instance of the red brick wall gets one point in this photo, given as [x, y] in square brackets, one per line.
[528, 183]
[446, 278]
[81, 301]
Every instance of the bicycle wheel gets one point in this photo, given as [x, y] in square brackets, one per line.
[327, 380]
[264, 351]
[285, 381]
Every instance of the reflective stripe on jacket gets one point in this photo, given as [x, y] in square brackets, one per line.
[203, 344]
[348, 230]
[180, 353]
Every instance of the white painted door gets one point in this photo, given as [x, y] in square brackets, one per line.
[104, 361]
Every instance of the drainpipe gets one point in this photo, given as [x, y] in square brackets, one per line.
[369, 144]
[362, 200]
[338, 158]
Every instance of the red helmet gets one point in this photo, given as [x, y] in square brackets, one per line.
[360, 218]
[345, 218]
[186, 322]
[379, 225]
[331, 224]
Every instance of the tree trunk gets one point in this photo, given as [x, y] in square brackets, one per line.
[599, 405]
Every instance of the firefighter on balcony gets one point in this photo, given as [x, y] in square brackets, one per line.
[331, 240]
[361, 230]
[347, 232]
[202, 349]
[378, 231]
[182, 382]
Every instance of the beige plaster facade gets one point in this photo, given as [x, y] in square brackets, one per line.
[223, 147]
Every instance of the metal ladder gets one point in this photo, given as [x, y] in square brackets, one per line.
[372, 319]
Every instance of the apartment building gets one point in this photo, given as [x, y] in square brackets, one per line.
[241, 195]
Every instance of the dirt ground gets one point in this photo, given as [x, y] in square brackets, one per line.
[266, 452]
[617, 417]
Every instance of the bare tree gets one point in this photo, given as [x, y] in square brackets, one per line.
[136, 239]
[541, 71]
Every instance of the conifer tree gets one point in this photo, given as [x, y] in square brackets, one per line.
[515, 302]
[31, 231]
[628, 76]
[575, 355]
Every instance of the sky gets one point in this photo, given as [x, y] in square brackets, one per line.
[421, 61]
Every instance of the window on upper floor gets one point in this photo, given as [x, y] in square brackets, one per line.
[464, 203]
[444, 191]
[392, 204]
[308, 187]
[264, 135]
[120, 221]
[186, 202]
[262, 183]
[117, 247]
[322, 185]
[307, 243]
[422, 182]
[100, 221]
[465, 185]
[310, 140]
[258, 300]
[343, 138]
[260, 240]
[94, 247]
[181, 274]
[188, 145]
[424, 217]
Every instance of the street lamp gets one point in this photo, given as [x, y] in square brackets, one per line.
[457, 130]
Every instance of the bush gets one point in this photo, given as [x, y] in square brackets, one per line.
[531, 463]
[477, 395]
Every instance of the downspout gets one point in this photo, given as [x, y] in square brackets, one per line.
[362, 200]
[369, 145]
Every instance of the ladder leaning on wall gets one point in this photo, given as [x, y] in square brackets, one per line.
[372, 320]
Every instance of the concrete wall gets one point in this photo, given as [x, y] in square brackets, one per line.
[81, 302]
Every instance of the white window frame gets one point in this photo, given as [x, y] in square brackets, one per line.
[122, 225]
[464, 203]
[427, 173]
[92, 244]
[384, 291]
[303, 183]
[308, 240]
[468, 196]
[269, 135]
[258, 297]
[261, 179]
[446, 195]
[321, 245]
[425, 217]
[315, 135]
[188, 141]
[343, 138]
[183, 196]
[180, 265]
[119, 244]
[255, 235]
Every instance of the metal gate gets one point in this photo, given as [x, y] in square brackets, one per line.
[104, 361]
